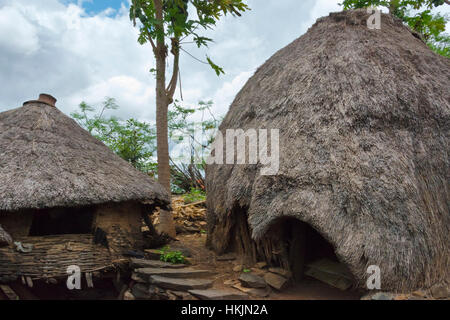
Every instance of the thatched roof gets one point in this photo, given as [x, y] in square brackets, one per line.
[364, 120]
[48, 160]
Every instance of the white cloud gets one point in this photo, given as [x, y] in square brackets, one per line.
[74, 57]
[225, 95]
[135, 97]
[54, 47]
[17, 34]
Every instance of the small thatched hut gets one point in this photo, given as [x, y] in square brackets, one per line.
[66, 194]
[364, 120]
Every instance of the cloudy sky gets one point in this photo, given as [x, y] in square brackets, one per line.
[87, 50]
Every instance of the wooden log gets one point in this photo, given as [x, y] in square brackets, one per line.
[9, 292]
[193, 204]
[51, 255]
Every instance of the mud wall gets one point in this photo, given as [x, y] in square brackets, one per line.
[17, 224]
[122, 224]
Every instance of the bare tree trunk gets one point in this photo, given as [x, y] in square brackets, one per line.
[162, 106]
[393, 5]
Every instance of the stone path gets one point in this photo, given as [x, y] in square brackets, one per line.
[157, 280]
[182, 273]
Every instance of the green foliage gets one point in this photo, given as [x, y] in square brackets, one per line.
[441, 45]
[135, 141]
[194, 195]
[174, 257]
[432, 28]
[215, 67]
[132, 140]
[417, 14]
[178, 24]
[180, 125]
[197, 136]
[246, 270]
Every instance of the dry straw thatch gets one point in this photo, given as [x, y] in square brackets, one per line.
[364, 119]
[47, 160]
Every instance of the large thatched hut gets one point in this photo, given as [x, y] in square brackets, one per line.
[364, 124]
[65, 198]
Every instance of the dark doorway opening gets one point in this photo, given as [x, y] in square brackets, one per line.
[300, 245]
[57, 221]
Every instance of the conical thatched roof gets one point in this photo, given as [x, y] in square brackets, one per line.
[364, 120]
[48, 160]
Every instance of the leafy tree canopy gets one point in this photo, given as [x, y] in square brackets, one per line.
[417, 14]
[135, 141]
[177, 24]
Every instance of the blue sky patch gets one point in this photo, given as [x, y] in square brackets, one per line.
[93, 7]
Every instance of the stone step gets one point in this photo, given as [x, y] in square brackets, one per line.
[180, 284]
[173, 273]
[214, 294]
[250, 280]
[260, 293]
[334, 280]
[276, 281]
[143, 263]
[153, 254]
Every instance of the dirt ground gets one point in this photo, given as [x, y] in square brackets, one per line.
[307, 289]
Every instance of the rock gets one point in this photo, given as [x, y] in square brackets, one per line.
[138, 278]
[238, 268]
[333, 279]
[143, 263]
[157, 293]
[275, 281]
[439, 291]
[416, 298]
[128, 295]
[261, 265]
[140, 291]
[399, 297]
[173, 273]
[419, 293]
[180, 284]
[259, 272]
[226, 257]
[250, 280]
[213, 294]
[230, 282]
[385, 296]
[172, 296]
[260, 293]
[184, 251]
[282, 272]
[382, 296]
[181, 295]
[365, 297]
[153, 254]
[133, 254]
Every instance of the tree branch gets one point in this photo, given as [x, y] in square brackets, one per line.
[176, 65]
[151, 41]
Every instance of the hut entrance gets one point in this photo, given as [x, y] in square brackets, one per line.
[59, 221]
[302, 250]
